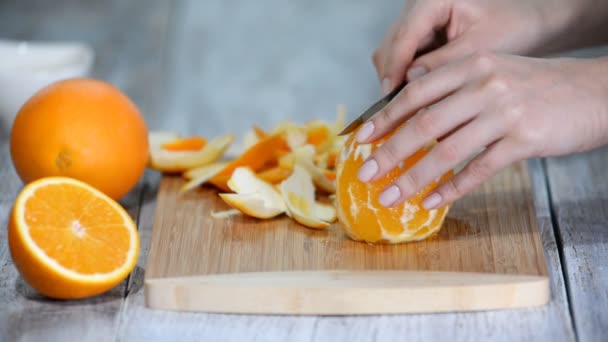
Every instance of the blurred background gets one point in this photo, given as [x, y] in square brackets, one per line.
[209, 67]
[213, 66]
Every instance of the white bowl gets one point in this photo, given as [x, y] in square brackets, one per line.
[26, 67]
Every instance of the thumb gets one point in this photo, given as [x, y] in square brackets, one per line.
[454, 50]
[416, 31]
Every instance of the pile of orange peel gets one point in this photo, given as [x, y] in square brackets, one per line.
[284, 170]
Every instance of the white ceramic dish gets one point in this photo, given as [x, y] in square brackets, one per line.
[26, 67]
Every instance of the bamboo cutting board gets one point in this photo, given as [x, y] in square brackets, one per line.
[487, 256]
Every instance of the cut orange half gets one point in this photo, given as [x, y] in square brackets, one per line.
[69, 240]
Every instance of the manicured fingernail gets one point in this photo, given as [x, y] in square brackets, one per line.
[389, 196]
[416, 72]
[386, 86]
[432, 201]
[368, 170]
[365, 132]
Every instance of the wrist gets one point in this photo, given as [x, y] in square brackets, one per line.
[554, 19]
[597, 74]
[569, 24]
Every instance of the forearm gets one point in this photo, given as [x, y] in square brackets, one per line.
[570, 24]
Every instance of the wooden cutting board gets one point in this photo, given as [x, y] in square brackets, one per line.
[487, 256]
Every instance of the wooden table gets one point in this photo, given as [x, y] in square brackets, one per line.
[215, 66]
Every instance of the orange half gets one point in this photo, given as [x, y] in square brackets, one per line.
[69, 240]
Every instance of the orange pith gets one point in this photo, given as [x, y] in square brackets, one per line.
[69, 240]
[362, 216]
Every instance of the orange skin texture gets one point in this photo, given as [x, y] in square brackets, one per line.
[256, 158]
[84, 129]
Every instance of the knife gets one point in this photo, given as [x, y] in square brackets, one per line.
[361, 119]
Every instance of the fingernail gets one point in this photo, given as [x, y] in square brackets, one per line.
[386, 86]
[432, 201]
[365, 132]
[368, 170]
[390, 195]
[416, 72]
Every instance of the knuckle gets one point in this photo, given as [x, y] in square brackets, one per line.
[451, 190]
[411, 91]
[484, 61]
[387, 115]
[531, 136]
[497, 84]
[408, 182]
[424, 125]
[513, 113]
[387, 156]
[448, 152]
[480, 170]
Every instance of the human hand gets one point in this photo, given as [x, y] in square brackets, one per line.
[511, 26]
[516, 107]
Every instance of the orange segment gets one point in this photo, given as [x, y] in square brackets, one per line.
[362, 216]
[185, 144]
[69, 240]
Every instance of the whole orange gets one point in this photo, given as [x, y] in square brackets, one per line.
[84, 129]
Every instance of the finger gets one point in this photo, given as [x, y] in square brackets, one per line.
[496, 157]
[454, 50]
[429, 124]
[445, 156]
[418, 94]
[379, 55]
[419, 28]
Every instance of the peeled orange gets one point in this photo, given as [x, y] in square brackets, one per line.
[84, 129]
[361, 215]
[69, 240]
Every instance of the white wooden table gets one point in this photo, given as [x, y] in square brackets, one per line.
[214, 66]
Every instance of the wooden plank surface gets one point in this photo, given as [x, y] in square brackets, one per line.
[128, 41]
[579, 189]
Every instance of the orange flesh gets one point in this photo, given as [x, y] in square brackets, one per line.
[185, 144]
[77, 229]
[362, 215]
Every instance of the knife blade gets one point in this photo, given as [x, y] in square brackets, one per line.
[376, 107]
